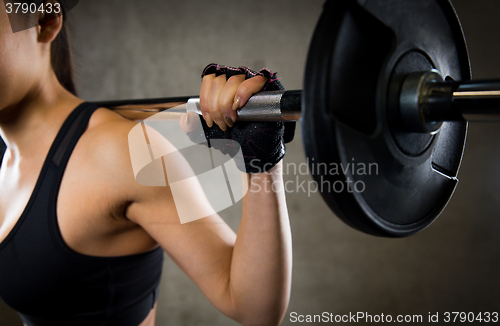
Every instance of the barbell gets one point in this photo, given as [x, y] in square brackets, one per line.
[387, 84]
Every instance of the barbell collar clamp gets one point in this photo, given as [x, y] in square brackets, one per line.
[426, 101]
[414, 99]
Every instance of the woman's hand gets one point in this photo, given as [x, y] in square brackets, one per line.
[219, 99]
[261, 143]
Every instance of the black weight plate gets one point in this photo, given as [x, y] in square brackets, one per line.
[374, 175]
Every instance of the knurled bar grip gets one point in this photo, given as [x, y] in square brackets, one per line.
[265, 106]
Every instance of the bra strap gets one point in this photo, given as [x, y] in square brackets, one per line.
[70, 133]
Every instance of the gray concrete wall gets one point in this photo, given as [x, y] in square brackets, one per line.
[134, 49]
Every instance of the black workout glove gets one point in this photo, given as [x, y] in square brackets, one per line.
[262, 143]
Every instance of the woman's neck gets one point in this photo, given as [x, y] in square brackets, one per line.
[29, 126]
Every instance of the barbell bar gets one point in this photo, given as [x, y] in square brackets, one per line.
[425, 101]
[387, 84]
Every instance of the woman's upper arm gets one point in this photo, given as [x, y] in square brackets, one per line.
[201, 248]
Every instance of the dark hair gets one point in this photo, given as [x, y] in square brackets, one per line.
[61, 56]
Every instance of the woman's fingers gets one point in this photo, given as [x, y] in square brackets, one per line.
[219, 99]
[247, 89]
[218, 84]
[206, 84]
[227, 98]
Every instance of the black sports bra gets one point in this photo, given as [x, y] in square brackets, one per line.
[51, 285]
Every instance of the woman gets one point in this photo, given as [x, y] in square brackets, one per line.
[81, 242]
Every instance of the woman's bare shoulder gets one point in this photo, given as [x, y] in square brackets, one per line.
[108, 131]
[104, 117]
[104, 146]
[111, 139]
[107, 148]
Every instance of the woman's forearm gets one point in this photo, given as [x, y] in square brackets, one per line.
[261, 266]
